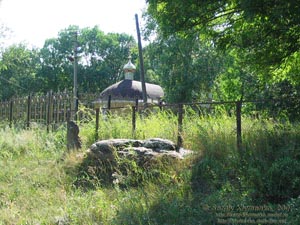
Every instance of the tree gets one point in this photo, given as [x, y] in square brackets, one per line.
[285, 100]
[259, 37]
[18, 71]
[237, 81]
[103, 57]
[267, 31]
[100, 58]
[56, 69]
[184, 66]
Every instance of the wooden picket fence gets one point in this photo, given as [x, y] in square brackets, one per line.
[48, 109]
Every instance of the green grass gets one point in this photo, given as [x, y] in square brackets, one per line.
[39, 178]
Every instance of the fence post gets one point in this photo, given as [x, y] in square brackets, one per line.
[97, 123]
[48, 109]
[239, 126]
[180, 118]
[69, 113]
[108, 104]
[137, 104]
[133, 120]
[28, 111]
[76, 115]
[10, 113]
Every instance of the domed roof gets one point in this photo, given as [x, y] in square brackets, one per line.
[131, 90]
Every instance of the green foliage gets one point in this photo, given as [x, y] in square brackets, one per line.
[294, 216]
[28, 179]
[103, 57]
[271, 147]
[100, 61]
[259, 39]
[284, 100]
[157, 124]
[280, 186]
[170, 206]
[18, 71]
[42, 183]
[16, 143]
[185, 67]
[266, 31]
[237, 80]
[100, 58]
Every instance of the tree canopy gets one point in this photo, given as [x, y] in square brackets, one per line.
[100, 61]
[101, 57]
[18, 70]
[259, 43]
[267, 31]
[185, 67]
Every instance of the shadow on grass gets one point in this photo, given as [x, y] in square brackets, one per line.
[169, 199]
[163, 209]
[125, 172]
[269, 174]
[155, 193]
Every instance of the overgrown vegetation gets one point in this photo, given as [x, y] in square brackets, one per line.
[41, 183]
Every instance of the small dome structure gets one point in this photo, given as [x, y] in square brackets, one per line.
[129, 70]
[127, 91]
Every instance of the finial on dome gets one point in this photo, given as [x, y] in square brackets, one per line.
[129, 69]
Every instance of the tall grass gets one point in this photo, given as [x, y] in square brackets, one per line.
[38, 177]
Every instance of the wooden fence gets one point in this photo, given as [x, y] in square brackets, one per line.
[48, 109]
[55, 108]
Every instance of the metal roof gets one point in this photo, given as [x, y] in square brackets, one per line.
[131, 90]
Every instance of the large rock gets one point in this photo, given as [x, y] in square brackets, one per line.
[158, 144]
[128, 162]
[141, 150]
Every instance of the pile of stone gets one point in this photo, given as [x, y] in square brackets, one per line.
[141, 150]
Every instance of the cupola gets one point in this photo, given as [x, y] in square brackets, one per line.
[129, 69]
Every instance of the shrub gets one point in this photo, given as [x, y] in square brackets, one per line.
[283, 180]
